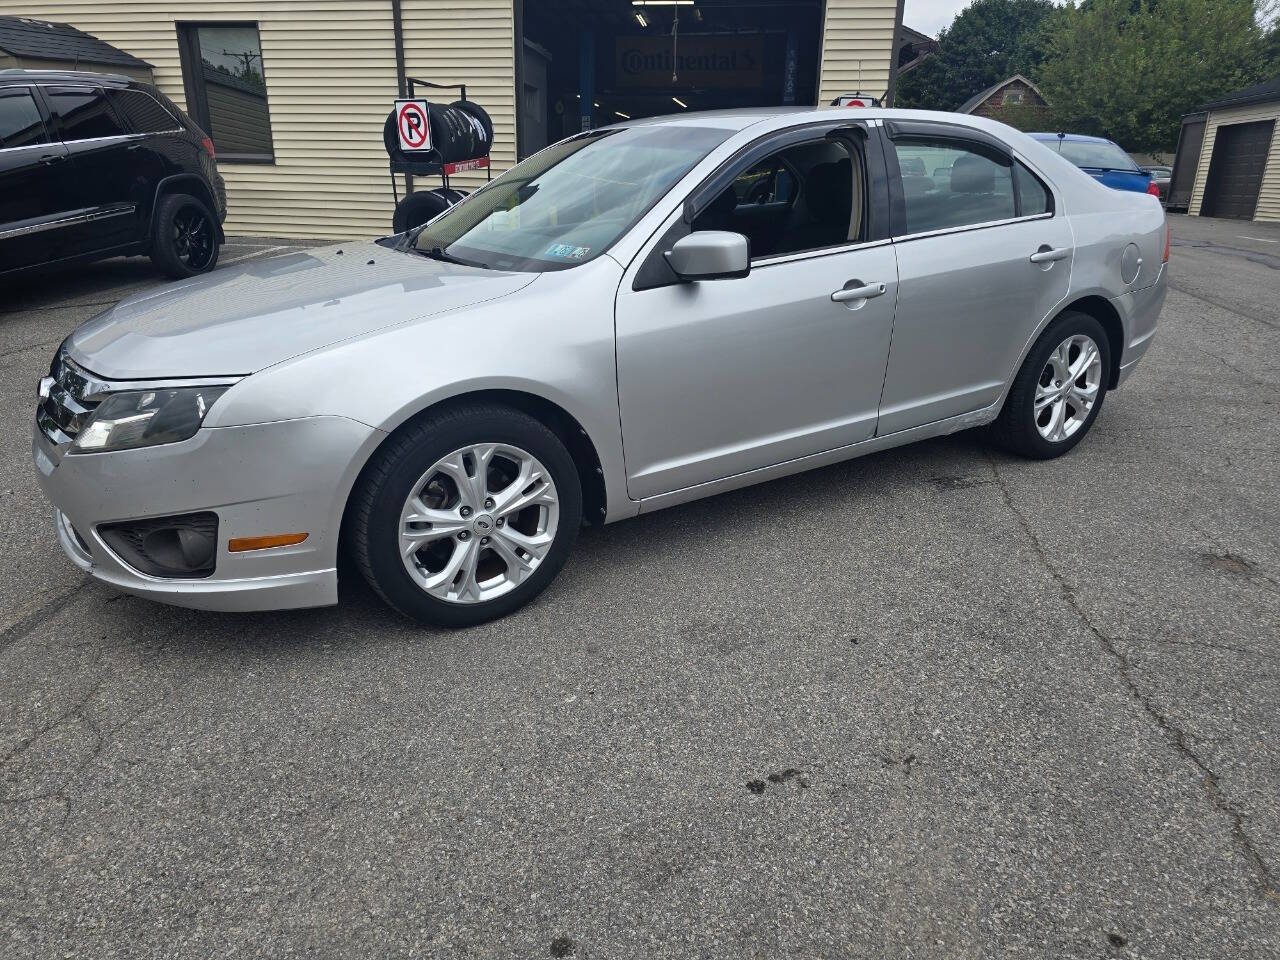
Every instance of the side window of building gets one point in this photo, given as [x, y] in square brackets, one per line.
[223, 74]
[84, 113]
[142, 112]
[20, 123]
[805, 197]
[946, 184]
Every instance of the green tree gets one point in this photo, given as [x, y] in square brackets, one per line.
[1129, 69]
[989, 41]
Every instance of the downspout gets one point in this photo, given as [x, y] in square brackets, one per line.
[402, 88]
[893, 57]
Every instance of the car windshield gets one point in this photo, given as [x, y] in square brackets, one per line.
[1104, 155]
[570, 202]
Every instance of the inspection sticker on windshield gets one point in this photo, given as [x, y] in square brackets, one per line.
[567, 251]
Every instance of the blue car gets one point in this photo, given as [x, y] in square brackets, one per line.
[1102, 160]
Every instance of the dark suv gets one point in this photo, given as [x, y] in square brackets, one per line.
[98, 165]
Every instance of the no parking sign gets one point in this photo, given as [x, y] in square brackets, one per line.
[412, 125]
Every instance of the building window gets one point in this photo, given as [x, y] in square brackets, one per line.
[1012, 97]
[223, 74]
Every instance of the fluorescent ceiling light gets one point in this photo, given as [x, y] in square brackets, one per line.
[681, 102]
[640, 19]
[662, 3]
[595, 104]
[624, 116]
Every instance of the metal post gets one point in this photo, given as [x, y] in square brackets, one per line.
[587, 78]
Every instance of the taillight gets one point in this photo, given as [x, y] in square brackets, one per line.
[208, 147]
[1168, 241]
[1153, 189]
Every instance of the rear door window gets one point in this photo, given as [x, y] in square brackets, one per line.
[142, 112]
[84, 112]
[946, 184]
[20, 122]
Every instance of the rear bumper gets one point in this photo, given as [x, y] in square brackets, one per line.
[282, 477]
[1139, 312]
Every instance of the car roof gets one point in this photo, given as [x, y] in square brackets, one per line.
[1071, 138]
[18, 75]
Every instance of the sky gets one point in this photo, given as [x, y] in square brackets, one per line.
[930, 16]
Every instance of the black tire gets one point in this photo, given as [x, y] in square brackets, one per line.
[384, 486]
[185, 241]
[479, 112]
[417, 208]
[1015, 429]
[452, 195]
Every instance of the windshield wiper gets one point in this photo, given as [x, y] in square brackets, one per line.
[438, 253]
[1110, 169]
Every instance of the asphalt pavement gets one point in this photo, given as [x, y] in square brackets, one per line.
[937, 702]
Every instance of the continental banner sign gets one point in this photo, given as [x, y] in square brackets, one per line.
[707, 61]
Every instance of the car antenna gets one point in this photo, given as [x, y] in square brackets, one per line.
[1061, 137]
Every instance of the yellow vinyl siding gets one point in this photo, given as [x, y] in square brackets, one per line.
[857, 48]
[472, 43]
[330, 68]
[1269, 194]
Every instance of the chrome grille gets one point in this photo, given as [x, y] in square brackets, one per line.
[71, 398]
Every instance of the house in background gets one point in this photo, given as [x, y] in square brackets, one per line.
[39, 45]
[914, 48]
[1015, 93]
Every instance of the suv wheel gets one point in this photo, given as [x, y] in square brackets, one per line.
[1057, 394]
[185, 242]
[466, 515]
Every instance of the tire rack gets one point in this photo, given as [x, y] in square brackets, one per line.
[431, 168]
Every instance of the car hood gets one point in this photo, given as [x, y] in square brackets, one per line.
[240, 319]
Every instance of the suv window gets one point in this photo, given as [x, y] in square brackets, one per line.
[946, 184]
[142, 111]
[805, 197]
[84, 113]
[20, 123]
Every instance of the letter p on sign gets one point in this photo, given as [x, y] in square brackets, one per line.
[411, 122]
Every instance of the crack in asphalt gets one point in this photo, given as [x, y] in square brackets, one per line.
[1223, 305]
[35, 619]
[1173, 733]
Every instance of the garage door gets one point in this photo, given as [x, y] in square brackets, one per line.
[1235, 172]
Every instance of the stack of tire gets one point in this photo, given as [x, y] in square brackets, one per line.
[460, 131]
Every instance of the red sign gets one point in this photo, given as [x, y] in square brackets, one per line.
[411, 122]
[462, 166]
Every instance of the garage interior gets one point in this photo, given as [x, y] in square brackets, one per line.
[589, 63]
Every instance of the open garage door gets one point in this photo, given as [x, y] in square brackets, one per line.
[608, 60]
[1235, 170]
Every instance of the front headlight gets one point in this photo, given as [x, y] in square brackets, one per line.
[144, 418]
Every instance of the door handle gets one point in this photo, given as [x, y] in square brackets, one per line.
[1047, 255]
[867, 291]
[49, 159]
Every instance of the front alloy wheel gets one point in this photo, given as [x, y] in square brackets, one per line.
[479, 522]
[465, 514]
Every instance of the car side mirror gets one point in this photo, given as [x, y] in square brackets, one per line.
[710, 255]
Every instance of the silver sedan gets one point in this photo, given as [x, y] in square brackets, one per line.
[635, 317]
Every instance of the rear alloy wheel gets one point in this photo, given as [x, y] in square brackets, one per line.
[1068, 388]
[466, 515]
[1058, 392]
[186, 237]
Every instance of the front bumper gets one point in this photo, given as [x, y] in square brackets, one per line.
[282, 477]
